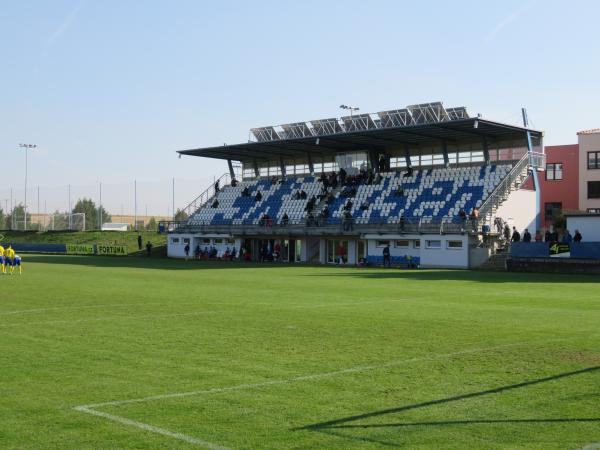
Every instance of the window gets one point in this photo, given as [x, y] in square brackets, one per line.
[218, 241]
[402, 243]
[593, 160]
[552, 210]
[554, 171]
[433, 244]
[417, 243]
[383, 243]
[174, 240]
[454, 245]
[206, 241]
[593, 189]
[186, 240]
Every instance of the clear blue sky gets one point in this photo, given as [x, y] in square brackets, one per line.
[111, 89]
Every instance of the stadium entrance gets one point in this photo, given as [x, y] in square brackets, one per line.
[426, 182]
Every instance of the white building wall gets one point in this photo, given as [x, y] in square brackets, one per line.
[519, 210]
[444, 255]
[176, 249]
[588, 226]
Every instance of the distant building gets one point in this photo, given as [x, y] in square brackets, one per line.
[560, 182]
[589, 170]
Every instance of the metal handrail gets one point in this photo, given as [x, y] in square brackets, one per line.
[205, 196]
[504, 186]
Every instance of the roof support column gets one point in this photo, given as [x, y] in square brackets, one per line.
[486, 151]
[445, 153]
[231, 173]
[373, 159]
[282, 166]
[255, 165]
[311, 167]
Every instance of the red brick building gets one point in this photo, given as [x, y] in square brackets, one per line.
[560, 182]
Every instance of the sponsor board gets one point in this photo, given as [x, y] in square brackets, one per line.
[80, 249]
[560, 250]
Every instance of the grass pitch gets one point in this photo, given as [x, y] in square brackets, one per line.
[172, 354]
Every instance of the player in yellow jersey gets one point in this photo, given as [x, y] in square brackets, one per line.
[9, 255]
[2, 259]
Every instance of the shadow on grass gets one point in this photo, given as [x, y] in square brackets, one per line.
[373, 273]
[481, 276]
[330, 426]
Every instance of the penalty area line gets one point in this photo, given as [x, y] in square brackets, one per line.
[147, 427]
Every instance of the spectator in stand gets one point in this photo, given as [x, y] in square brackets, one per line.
[348, 205]
[463, 215]
[547, 236]
[386, 255]
[197, 252]
[409, 172]
[506, 232]
[516, 236]
[538, 236]
[399, 191]
[186, 250]
[234, 182]
[577, 237]
[258, 197]
[285, 219]
[402, 222]
[364, 206]
[554, 236]
[215, 203]
[347, 223]
[567, 238]
[381, 164]
[245, 192]
[526, 236]
[325, 212]
[342, 176]
[217, 188]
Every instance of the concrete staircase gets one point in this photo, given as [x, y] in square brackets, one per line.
[496, 262]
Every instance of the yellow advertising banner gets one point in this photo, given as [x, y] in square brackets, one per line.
[80, 249]
[113, 250]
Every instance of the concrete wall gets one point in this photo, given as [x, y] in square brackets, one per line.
[588, 226]
[519, 210]
[588, 142]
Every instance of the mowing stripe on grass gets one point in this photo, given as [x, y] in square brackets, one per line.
[92, 408]
[152, 428]
[129, 316]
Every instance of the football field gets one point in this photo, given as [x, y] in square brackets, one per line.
[154, 353]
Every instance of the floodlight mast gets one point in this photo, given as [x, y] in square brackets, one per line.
[26, 147]
[350, 108]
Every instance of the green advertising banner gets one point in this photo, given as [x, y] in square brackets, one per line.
[113, 250]
[80, 249]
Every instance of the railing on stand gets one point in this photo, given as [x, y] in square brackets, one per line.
[206, 196]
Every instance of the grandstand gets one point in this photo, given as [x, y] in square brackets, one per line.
[430, 182]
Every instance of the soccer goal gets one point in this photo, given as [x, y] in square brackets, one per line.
[65, 221]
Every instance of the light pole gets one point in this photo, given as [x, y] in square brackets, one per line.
[26, 147]
[350, 108]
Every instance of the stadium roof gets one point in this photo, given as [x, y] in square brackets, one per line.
[384, 132]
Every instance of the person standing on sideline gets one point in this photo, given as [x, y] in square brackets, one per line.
[186, 249]
[526, 236]
[386, 255]
[139, 239]
[577, 237]
[516, 236]
[149, 248]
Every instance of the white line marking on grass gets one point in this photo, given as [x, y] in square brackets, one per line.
[58, 308]
[152, 428]
[594, 446]
[96, 319]
[92, 408]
